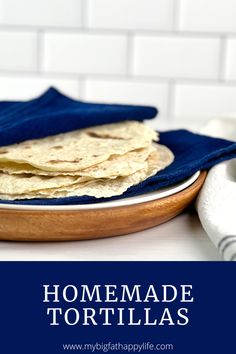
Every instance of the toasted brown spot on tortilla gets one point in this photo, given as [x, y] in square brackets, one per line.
[57, 147]
[70, 161]
[56, 161]
[104, 136]
[3, 152]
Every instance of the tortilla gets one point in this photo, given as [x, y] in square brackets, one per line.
[158, 159]
[20, 184]
[80, 149]
[116, 165]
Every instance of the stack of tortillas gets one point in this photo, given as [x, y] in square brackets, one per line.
[101, 161]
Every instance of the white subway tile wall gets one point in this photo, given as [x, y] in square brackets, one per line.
[130, 14]
[18, 51]
[22, 87]
[52, 13]
[204, 101]
[84, 53]
[178, 55]
[230, 65]
[207, 15]
[127, 91]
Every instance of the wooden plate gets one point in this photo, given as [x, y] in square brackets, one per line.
[65, 224]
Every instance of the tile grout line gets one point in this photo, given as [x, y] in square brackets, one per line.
[170, 100]
[84, 14]
[39, 52]
[81, 87]
[175, 16]
[113, 31]
[222, 60]
[118, 77]
[129, 55]
[81, 79]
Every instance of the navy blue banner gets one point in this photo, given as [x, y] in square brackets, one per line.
[118, 307]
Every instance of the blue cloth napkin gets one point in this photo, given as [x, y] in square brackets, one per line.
[54, 113]
[193, 152]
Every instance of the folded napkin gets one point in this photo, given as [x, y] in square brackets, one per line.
[216, 204]
[54, 113]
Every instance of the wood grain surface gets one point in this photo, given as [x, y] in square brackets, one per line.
[34, 225]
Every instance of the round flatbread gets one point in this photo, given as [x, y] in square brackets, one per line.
[158, 159]
[80, 149]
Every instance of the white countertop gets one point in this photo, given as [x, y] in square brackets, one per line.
[182, 238]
